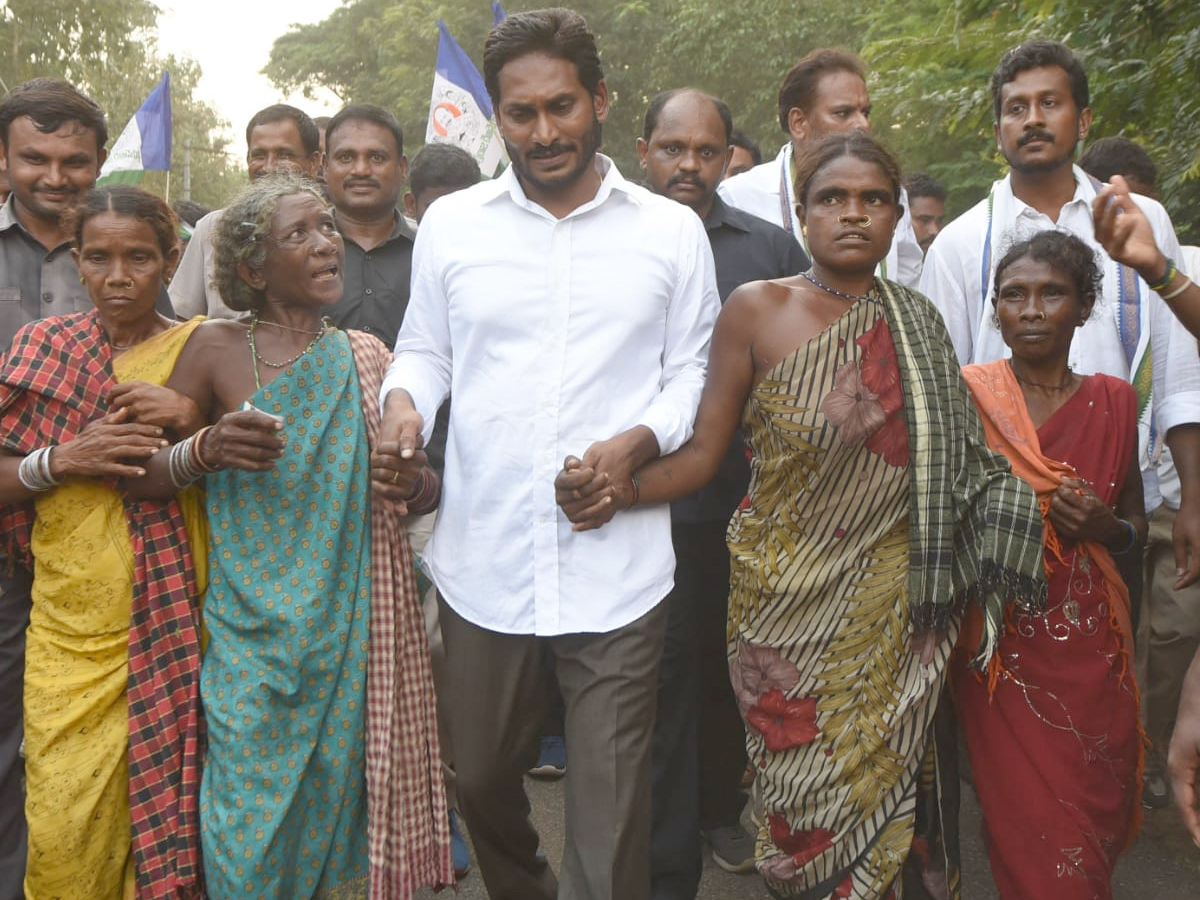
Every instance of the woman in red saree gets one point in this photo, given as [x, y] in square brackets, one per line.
[1052, 726]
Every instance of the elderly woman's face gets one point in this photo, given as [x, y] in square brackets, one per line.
[304, 253]
[850, 215]
[1039, 309]
[123, 267]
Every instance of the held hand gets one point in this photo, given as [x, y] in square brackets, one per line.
[108, 447]
[154, 404]
[585, 495]
[1186, 538]
[247, 439]
[402, 424]
[1077, 513]
[1183, 758]
[394, 475]
[1124, 231]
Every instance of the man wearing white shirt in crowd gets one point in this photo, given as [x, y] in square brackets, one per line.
[824, 93]
[1041, 106]
[569, 313]
[1169, 633]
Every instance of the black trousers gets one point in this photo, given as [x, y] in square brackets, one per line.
[699, 750]
[14, 619]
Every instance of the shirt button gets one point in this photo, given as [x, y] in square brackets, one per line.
[368, 291]
[48, 297]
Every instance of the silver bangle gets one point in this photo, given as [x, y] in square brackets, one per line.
[34, 471]
[184, 463]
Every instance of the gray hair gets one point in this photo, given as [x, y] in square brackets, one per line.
[240, 232]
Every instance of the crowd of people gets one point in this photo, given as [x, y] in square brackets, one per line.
[764, 471]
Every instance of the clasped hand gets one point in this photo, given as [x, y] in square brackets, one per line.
[591, 490]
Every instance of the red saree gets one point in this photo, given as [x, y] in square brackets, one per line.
[1052, 732]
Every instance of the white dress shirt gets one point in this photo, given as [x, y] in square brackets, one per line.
[767, 191]
[192, 290]
[953, 279]
[552, 334]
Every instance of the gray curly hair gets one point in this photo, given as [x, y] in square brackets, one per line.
[240, 232]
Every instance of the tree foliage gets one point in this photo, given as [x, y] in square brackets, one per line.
[930, 63]
[108, 49]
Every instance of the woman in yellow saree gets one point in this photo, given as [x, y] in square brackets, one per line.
[112, 720]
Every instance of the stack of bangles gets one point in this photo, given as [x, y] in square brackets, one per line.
[186, 463]
[34, 471]
[425, 493]
[1165, 282]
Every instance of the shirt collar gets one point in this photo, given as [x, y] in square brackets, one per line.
[400, 228]
[611, 182]
[9, 221]
[722, 215]
[1085, 192]
[8, 215]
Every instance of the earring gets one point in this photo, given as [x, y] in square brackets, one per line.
[81, 281]
[803, 233]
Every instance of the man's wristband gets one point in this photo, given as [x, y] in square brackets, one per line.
[1167, 277]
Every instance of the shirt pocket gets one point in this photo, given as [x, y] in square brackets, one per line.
[12, 316]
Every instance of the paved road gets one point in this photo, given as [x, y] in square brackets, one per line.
[1163, 864]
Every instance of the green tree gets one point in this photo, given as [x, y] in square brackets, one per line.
[108, 49]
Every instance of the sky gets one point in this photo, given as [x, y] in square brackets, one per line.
[231, 40]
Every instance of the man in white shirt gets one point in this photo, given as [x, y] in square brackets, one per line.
[562, 306]
[1040, 99]
[824, 93]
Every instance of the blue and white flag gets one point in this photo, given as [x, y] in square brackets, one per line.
[145, 144]
[460, 111]
[498, 13]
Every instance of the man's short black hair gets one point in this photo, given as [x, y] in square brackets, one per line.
[800, 83]
[442, 166]
[310, 137]
[51, 103]
[1119, 156]
[739, 138]
[366, 112]
[922, 184]
[561, 33]
[1037, 55]
[659, 103]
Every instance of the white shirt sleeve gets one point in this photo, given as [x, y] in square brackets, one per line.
[691, 317]
[422, 362]
[945, 282]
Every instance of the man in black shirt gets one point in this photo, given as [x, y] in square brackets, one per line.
[699, 745]
[365, 170]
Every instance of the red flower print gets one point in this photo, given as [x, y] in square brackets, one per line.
[879, 369]
[843, 890]
[755, 669]
[802, 846]
[891, 441]
[851, 407]
[784, 723]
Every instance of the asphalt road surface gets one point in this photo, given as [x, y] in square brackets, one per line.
[1163, 864]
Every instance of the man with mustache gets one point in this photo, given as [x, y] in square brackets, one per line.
[824, 93]
[1041, 106]
[52, 141]
[365, 171]
[277, 137]
[699, 743]
[571, 311]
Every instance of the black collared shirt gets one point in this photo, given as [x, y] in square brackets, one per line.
[376, 281]
[745, 248]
